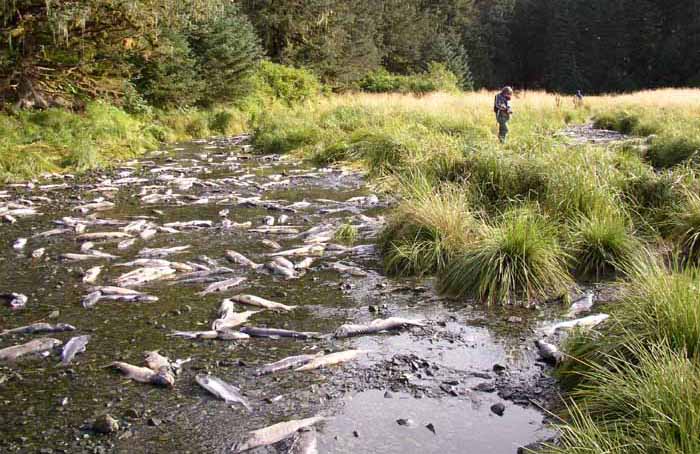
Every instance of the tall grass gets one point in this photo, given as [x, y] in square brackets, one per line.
[648, 405]
[602, 245]
[427, 230]
[656, 305]
[515, 261]
[683, 226]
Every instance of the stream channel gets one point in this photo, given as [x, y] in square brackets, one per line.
[427, 389]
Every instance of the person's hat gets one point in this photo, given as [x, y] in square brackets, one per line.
[507, 89]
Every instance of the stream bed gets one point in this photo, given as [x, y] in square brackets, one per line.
[429, 389]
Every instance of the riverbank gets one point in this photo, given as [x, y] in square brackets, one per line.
[529, 223]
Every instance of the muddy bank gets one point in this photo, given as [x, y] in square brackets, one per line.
[471, 373]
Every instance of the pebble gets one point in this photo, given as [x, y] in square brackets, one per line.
[105, 424]
[498, 409]
[431, 427]
[155, 422]
[485, 387]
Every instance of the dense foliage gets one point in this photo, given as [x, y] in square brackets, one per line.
[594, 45]
[179, 53]
[174, 52]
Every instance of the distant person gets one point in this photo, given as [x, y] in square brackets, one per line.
[501, 107]
[578, 99]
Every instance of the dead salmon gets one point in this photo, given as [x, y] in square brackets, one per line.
[33, 346]
[313, 250]
[276, 333]
[91, 274]
[274, 433]
[241, 259]
[73, 347]
[162, 252]
[223, 390]
[232, 320]
[103, 236]
[252, 300]
[15, 300]
[290, 362]
[144, 374]
[331, 359]
[548, 352]
[304, 442]
[36, 328]
[143, 275]
[221, 286]
[391, 323]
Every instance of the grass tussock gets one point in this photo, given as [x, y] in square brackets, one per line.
[603, 245]
[657, 305]
[346, 234]
[427, 231]
[683, 227]
[650, 404]
[519, 259]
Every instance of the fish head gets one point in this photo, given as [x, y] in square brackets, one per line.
[164, 378]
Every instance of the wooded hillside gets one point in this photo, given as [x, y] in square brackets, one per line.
[167, 52]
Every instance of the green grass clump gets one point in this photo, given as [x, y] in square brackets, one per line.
[656, 305]
[517, 260]
[602, 245]
[282, 131]
[625, 122]
[683, 227]
[669, 151]
[346, 234]
[427, 230]
[649, 405]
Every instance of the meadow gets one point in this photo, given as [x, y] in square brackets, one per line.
[527, 222]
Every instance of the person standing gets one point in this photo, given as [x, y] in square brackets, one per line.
[503, 111]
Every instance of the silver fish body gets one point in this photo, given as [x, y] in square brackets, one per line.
[223, 390]
[73, 347]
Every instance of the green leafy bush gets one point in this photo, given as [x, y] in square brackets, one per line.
[436, 78]
[285, 83]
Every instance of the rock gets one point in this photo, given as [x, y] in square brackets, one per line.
[485, 387]
[531, 448]
[155, 422]
[514, 319]
[431, 427]
[405, 422]
[105, 424]
[374, 309]
[356, 434]
[388, 395]
[132, 413]
[499, 368]
[498, 408]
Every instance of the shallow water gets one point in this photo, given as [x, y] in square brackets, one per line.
[44, 405]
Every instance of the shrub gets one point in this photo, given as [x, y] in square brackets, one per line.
[517, 259]
[197, 127]
[285, 83]
[227, 122]
[436, 78]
